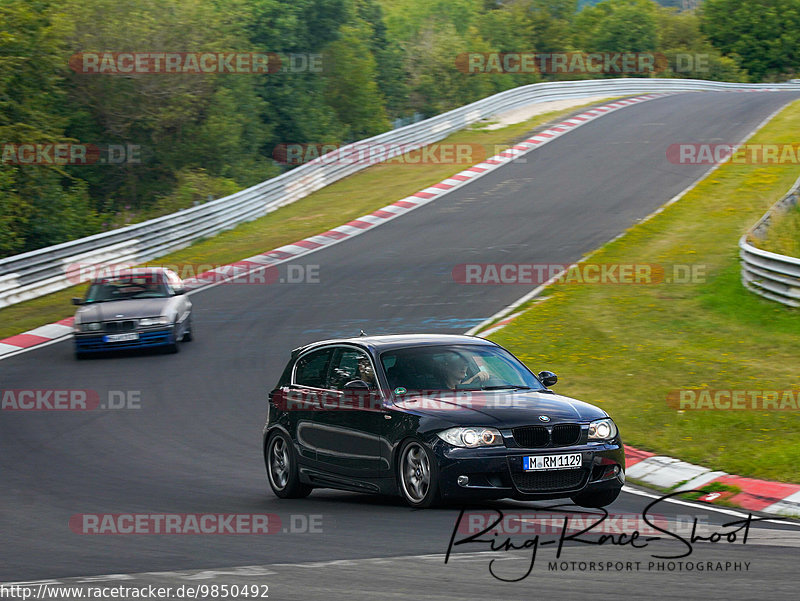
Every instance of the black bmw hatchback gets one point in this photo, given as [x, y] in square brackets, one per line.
[434, 418]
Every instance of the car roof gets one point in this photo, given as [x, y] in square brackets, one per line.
[395, 341]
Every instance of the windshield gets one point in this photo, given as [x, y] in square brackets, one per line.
[467, 367]
[123, 287]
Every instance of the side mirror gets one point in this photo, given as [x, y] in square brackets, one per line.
[356, 385]
[179, 291]
[77, 300]
[548, 378]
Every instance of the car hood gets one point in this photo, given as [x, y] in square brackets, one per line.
[122, 309]
[500, 408]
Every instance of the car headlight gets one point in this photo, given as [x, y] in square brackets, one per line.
[154, 321]
[92, 326]
[472, 437]
[602, 429]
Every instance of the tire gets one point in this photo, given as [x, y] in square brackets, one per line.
[187, 335]
[174, 347]
[282, 472]
[418, 475]
[596, 499]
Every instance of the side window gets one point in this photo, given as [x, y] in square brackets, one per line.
[311, 369]
[349, 365]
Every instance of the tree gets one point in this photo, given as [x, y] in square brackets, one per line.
[390, 76]
[350, 84]
[552, 22]
[14, 214]
[688, 51]
[763, 36]
[437, 84]
[295, 107]
[177, 120]
[618, 26]
[39, 203]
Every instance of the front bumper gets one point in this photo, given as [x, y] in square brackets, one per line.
[496, 472]
[95, 342]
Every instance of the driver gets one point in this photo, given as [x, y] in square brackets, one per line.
[455, 372]
[365, 372]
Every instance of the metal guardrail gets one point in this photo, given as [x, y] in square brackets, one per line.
[768, 274]
[46, 270]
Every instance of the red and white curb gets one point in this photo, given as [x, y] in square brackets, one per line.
[776, 498]
[36, 337]
[228, 273]
[501, 324]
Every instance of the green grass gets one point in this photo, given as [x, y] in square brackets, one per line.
[783, 236]
[327, 208]
[696, 493]
[625, 347]
[712, 487]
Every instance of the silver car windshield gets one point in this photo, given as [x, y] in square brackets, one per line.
[126, 287]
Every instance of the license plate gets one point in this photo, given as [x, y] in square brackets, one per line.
[121, 337]
[551, 462]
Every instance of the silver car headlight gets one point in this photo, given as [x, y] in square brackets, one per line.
[154, 321]
[472, 437]
[92, 326]
[602, 429]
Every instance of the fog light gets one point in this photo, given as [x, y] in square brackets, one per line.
[616, 470]
[463, 480]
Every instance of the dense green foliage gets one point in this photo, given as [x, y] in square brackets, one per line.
[764, 35]
[382, 63]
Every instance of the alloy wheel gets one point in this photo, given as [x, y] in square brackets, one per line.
[415, 473]
[279, 463]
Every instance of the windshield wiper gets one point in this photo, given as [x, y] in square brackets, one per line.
[506, 387]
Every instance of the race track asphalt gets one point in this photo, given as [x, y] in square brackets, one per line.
[193, 445]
